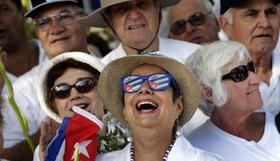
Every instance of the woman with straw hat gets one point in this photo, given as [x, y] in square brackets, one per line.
[152, 95]
[69, 80]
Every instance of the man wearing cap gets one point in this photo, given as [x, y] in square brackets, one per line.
[256, 25]
[22, 53]
[193, 21]
[136, 24]
[59, 31]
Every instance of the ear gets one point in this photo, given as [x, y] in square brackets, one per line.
[225, 25]
[179, 105]
[207, 93]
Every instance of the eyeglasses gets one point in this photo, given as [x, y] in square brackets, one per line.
[157, 82]
[63, 90]
[240, 73]
[64, 18]
[178, 27]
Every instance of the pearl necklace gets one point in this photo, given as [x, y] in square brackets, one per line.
[132, 155]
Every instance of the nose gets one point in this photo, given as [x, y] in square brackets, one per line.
[264, 21]
[189, 28]
[254, 79]
[145, 89]
[55, 27]
[74, 94]
[133, 12]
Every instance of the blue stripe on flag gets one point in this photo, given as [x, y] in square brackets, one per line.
[55, 145]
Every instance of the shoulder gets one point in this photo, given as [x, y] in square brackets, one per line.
[183, 148]
[114, 54]
[178, 43]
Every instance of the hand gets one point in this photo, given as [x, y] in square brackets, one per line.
[48, 131]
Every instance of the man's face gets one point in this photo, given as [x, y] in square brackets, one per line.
[256, 25]
[135, 22]
[188, 9]
[63, 33]
[11, 24]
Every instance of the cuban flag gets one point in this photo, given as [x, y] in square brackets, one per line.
[80, 131]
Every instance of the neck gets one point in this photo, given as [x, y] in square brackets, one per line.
[23, 59]
[249, 126]
[152, 145]
[263, 64]
[154, 46]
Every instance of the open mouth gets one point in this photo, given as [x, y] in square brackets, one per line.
[132, 27]
[82, 105]
[146, 106]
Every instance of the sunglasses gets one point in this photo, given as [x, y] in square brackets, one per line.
[63, 90]
[157, 82]
[196, 19]
[240, 73]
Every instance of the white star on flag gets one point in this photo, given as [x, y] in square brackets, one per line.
[82, 148]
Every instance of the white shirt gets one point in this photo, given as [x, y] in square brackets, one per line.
[176, 49]
[210, 138]
[182, 150]
[271, 94]
[23, 94]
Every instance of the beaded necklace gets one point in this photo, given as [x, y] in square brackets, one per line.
[132, 155]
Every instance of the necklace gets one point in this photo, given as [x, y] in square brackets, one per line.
[132, 155]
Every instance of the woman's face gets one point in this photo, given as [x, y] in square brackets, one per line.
[243, 96]
[147, 108]
[88, 100]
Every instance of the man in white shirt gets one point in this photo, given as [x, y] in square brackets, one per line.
[136, 24]
[59, 31]
[256, 26]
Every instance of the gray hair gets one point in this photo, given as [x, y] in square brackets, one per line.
[206, 63]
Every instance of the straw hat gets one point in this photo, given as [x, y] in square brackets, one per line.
[96, 19]
[42, 85]
[109, 87]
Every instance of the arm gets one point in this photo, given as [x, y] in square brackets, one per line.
[22, 150]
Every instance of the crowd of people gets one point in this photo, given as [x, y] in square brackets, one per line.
[207, 91]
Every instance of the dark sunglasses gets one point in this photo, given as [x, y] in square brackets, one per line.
[196, 19]
[157, 82]
[240, 73]
[63, 90]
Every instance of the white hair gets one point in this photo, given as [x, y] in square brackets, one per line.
[207, 62]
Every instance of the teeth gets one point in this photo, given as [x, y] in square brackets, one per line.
[135, 26]
[82, 106]
[146, 105]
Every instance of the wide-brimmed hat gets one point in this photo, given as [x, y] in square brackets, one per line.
[96, 19]
[109, 86]
[85, 58]
[37, 5]
[222, 6]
